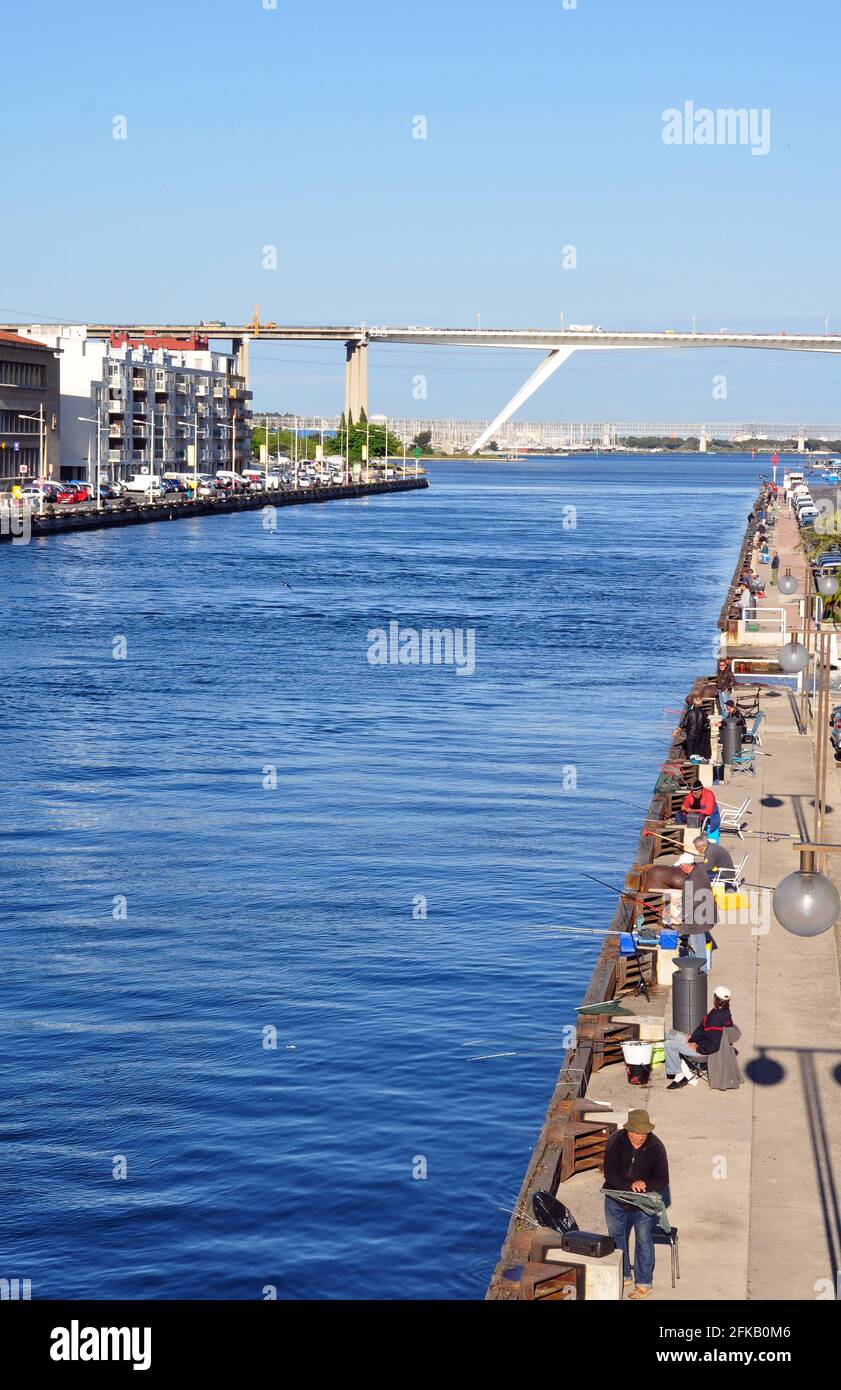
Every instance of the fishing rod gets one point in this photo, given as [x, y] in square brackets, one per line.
[622, 893]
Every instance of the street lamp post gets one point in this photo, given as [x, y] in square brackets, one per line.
[42, 433]
[90, 420]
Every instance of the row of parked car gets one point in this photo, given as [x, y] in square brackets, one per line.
[804, 505]
[205, 485]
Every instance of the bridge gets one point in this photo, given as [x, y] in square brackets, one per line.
[558, 345]
[457, 436]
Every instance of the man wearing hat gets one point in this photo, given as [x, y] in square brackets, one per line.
[701, 803]
[704, 1041]
[634, 1162]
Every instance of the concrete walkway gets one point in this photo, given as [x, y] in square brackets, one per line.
[756, 1173]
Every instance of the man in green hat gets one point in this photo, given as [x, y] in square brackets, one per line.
[635, 1162]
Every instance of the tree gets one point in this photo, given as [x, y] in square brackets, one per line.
[423, 441]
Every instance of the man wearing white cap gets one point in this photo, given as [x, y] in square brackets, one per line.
[704, 1041]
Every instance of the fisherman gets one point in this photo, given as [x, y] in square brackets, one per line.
[732, 711]
[635, 1161]
[700, 801]
[712, 856]
[705, 1040]
[698, 912]
[696, 725]
[775, 569]
[725, 681]
[745, 601]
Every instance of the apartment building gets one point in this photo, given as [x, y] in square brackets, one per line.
[161, 405]
[29, 409]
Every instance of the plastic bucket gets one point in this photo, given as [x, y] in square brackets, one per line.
[637, 1054]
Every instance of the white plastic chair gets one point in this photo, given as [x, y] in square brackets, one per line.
[733, 816]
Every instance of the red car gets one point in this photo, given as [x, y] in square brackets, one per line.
[74, 493]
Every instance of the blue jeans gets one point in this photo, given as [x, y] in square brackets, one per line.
[677, 1046]
[698, 947]
[620, 1221]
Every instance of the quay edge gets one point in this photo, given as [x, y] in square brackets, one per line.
[613, 977]
[142, 513]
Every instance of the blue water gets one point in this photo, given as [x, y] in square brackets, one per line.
[135, 1042]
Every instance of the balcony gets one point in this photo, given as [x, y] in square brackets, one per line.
[115, 431]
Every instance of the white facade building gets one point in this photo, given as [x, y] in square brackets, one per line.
[162, 408]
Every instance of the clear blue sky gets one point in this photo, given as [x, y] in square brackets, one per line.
[292, 127]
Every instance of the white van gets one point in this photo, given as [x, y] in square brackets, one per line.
[145, 482]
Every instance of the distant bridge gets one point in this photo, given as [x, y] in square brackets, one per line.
[457, 436]
[558, 345]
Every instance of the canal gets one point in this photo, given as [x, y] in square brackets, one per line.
[276, 1012]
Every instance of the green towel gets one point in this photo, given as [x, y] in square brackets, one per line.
[650, 1202]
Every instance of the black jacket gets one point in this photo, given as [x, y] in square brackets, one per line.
[623, 1164]
[696, 725]
[708, 1033]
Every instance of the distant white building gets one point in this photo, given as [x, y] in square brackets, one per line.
[159, 401]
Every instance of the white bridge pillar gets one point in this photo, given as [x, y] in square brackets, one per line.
[356, 380]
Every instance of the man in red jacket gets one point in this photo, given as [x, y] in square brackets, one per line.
[699, 800]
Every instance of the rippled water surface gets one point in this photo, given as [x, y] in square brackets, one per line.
[165, 905]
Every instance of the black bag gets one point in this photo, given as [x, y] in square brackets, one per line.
[550, 1212]
[587, 1243]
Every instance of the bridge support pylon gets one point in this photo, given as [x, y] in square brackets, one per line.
[356, 380]
[239, 347]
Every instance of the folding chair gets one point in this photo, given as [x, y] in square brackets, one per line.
[753, 734]
[732, 817]
[743, 763]
[668, 1238]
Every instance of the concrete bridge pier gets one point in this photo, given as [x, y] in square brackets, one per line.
[239, 347]
[356, 380]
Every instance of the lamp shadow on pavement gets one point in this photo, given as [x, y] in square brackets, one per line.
[765, 1070]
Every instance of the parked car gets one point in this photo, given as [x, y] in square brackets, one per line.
[230, 481]
[145, 484]
[171, 486]
[831, 559]
[74, 493]
[35, 490]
